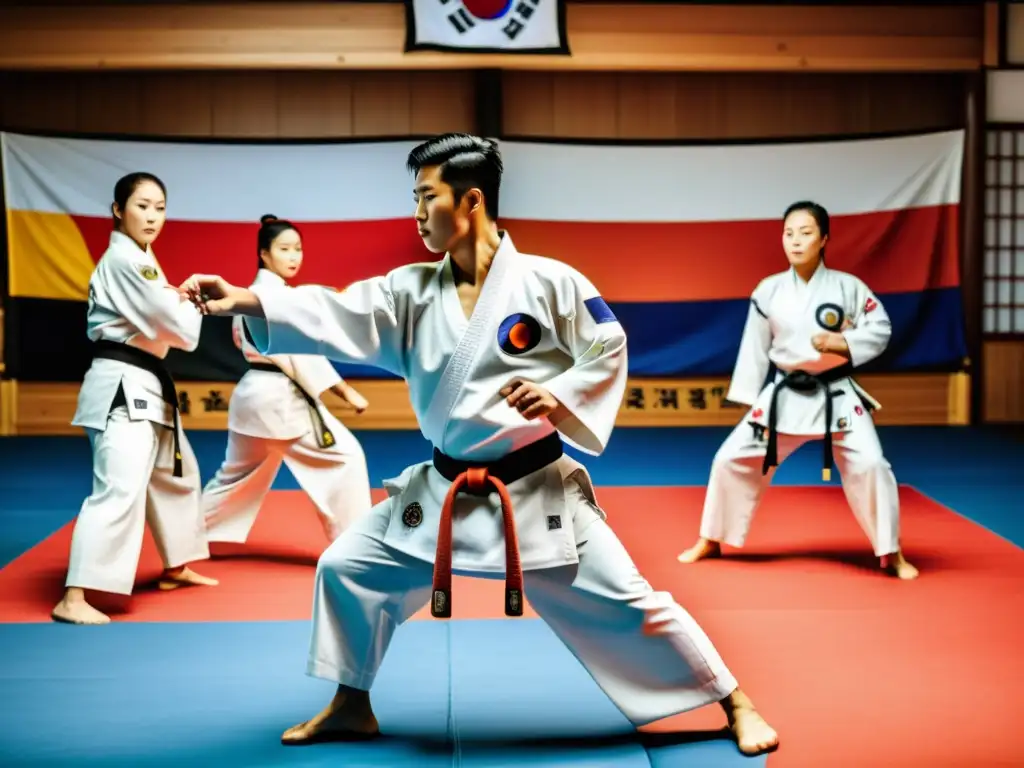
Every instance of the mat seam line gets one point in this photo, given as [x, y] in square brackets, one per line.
[961, 515]
[453, 725]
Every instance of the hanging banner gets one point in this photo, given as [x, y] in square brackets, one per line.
[487, 26]
[676, 262]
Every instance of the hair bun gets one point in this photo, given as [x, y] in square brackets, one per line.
[267, 218]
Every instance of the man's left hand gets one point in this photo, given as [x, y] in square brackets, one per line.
[529, 398]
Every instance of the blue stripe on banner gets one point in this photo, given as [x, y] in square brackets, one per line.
[702, 338]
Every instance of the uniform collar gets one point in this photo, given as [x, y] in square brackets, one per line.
[265, 277]
[121, 240]
[506, 249]
[819, 274]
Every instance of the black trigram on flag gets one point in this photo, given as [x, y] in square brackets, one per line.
[487, 26]
[513, 15]
[461, 20]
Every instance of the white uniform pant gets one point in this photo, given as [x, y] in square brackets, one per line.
[736, 485]
[643, 649]
[335, 479]
[132, 482]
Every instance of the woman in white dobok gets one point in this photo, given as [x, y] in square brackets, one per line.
[814, 326]
[143, 468]
[276, 415]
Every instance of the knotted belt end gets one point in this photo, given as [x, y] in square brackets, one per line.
[441, 604]
[513, 602]
[476, 481]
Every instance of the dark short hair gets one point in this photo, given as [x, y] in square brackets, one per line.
[466, 162]
[271, 228]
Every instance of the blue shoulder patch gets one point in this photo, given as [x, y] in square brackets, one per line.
[599, 310]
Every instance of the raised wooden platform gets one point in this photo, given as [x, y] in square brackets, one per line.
[907, 399]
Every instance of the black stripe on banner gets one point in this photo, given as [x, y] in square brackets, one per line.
[51, 346]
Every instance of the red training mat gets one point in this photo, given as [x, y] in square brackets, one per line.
[853, 668]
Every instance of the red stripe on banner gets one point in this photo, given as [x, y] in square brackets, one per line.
[335, 253]
[892, 251]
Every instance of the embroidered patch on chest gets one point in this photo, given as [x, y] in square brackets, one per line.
[830, 316]
[518, 334]
[413, 515]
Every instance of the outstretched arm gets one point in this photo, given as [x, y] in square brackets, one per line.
[360, 325]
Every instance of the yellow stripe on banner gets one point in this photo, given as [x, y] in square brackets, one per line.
[47, 256]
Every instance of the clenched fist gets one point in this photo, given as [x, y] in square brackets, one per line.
[213, 295]
[529, 398]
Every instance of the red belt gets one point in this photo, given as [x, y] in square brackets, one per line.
[479, 481]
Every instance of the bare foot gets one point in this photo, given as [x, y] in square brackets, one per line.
[704, 548]
[182, 576]
[347, 718]
[753, 734]
[73, 609]
[898, 566]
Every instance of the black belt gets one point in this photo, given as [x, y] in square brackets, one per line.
[801, 381]
[509, 468]
[480, 479]
[324, 436]
[122, 353]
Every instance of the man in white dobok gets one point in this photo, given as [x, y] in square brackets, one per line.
[505, 354]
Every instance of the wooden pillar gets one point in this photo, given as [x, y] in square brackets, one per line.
[8, 314]
[972, 257]
[487, 92]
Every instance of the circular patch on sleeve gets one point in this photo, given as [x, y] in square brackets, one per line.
[518, 334]
[148, 272]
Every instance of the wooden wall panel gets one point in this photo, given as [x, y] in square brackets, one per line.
[172, 104]
[239, 104]
[1004, 381]
[726, 105]
[602, 36]
[31, 408]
